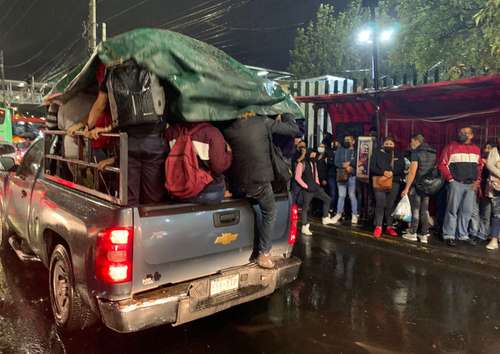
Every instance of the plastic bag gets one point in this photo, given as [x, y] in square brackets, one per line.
[403, 210]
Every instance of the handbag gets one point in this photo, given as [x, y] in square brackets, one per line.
[431, 183]
[383, 183]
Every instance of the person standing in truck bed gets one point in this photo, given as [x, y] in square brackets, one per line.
[252, 170]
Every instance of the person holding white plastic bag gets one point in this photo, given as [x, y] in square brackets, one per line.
[387, 169]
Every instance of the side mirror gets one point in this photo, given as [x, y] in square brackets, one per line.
[7, 164]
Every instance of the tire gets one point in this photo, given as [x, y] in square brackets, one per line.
[70, 312]
[4, 234]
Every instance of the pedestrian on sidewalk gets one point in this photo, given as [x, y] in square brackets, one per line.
[345, 161]
[479, 227]
[386, 163]
[461, 166]
[331, 146]
[493, 166]
[422, 164]
[307, 176]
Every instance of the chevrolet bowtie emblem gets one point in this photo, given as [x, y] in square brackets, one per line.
[225, 238]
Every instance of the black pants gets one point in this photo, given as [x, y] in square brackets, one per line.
[419, 212]
[309, 196]
[384, 205]
[146, 169]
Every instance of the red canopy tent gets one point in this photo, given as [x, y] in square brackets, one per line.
[437, 110]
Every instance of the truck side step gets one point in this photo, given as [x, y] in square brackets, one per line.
[21, 251]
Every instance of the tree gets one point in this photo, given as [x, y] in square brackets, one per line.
[324, 46]
[441, 33]
[449, 34]
[489, 19]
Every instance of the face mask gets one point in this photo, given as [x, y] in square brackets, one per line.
[462, 138]
[388, 149]
[321, 150]
[346, 144]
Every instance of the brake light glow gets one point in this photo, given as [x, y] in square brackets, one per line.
[113, 261]
[294, 219]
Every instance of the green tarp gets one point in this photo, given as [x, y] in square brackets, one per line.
[205, 84]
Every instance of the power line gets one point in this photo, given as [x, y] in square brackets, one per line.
[20, 19]
[125, 10]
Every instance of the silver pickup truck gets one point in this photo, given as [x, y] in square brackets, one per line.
[135, 268]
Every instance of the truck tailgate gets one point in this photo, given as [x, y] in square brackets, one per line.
[175, 243]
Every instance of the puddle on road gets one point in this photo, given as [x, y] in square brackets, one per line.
[348, 299]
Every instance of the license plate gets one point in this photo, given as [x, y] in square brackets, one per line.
[224, 284]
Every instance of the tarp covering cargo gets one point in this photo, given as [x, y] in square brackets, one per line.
[204, 83]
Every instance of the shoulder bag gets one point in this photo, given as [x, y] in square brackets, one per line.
[383, 183]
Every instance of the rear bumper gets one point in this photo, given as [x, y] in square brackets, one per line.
[185, 302]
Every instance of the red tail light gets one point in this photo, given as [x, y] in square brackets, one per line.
[294, 218]
[113, 259]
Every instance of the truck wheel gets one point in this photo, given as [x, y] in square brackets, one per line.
[70, 313]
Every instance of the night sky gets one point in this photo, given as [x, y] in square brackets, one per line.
[42, 40]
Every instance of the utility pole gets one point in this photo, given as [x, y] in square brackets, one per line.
[104, 32]
[92, 26]
[2, 77]
[375, 72]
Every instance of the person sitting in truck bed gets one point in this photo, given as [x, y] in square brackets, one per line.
[213, 152]
[147, 151]
[252, 170]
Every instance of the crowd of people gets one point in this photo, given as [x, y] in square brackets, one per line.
[460, 185]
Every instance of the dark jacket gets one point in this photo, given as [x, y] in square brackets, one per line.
[381, 162]
[322, 169]
[330, 162]
[425, 155]
[250, 142]
[343, 155]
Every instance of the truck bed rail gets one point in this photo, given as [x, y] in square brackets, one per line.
[118, 196]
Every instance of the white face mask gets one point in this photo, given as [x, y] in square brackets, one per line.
[321, 150]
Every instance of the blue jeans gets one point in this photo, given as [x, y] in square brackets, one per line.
[460, 203]
[344, 188]
[481, 218]
[495, 222]
[332, 187]
[264, 196]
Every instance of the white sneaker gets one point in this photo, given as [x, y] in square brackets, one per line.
[410, 237]
[354, 219]
[493, 244]
[336, 218]
[424, 238]
[328, 221]
[306, 231]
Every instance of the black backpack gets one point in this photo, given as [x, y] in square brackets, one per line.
[136, 96]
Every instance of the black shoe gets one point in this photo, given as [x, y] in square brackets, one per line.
[451, 243]
[480, 241]
[471, 242]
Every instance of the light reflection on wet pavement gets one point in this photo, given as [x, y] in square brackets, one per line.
[348, 299]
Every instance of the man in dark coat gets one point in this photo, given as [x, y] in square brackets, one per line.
[252, 170]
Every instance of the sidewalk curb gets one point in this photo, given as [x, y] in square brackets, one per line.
[471, 260]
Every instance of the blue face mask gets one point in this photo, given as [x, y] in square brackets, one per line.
[321, 150]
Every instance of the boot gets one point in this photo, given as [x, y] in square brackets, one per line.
[264, 261]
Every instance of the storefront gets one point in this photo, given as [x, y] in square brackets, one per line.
[436, 110]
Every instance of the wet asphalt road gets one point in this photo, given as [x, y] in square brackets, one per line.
[348, 299]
